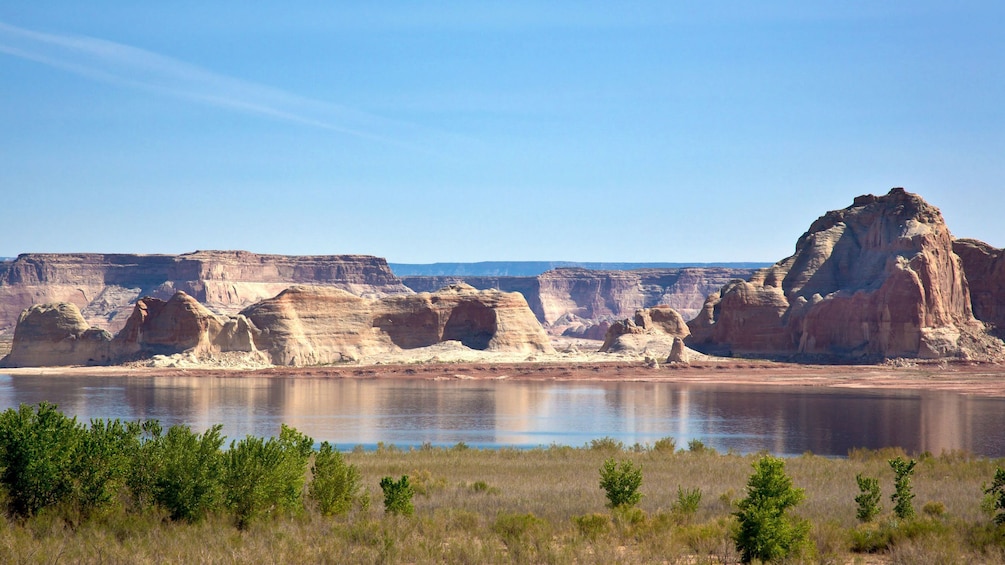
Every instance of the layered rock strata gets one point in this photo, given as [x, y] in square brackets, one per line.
[105, 286]
[878, 279]
[301, 326]
[314, 325]
[984, 266]
[583, 303]
[651, 330]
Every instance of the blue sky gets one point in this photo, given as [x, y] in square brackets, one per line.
[472, 131]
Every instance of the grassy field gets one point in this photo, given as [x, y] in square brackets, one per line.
[545, 506]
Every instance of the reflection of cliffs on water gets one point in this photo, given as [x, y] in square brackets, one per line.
[352, 411]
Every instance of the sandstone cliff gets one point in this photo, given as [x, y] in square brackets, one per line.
[984, 266]
[582, 302]
[57, 334]
[105, 286]
[877, 279]
[314, 325]
[651, 330]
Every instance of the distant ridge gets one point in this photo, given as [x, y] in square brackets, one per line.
[534, 268]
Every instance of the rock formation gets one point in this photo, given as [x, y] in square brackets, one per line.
[652, 330]
[303, 325]
[581, 302]
[314, 325]
[57, 334]
[105, 286]
[875, 280]
[984, 266]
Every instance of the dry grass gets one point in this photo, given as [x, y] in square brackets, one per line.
[502, 506]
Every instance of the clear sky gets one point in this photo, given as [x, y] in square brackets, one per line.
[471, 131]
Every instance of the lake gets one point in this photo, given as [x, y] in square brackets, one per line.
[522, 414]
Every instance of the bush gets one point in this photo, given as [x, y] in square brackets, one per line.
[397, 496]
[765, 532]
[868, 499]
[335, 484]
[698, 446]
[266, 477]
[621, 483]
[995, 494]
[106, 455]
[606, 443]
[902, 496]
[185, 470]
[687, 500]
[39, 453]
[665, 445]
[592, 526]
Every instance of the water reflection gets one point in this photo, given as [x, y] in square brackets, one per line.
[502, 413]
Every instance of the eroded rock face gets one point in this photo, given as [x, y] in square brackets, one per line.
[57, 334]
[105, 286]
[316, 325]
[651, 329]
[180, 324]
[876, 279]
[579, 302]
[984, 266]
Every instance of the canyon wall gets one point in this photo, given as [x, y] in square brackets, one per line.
[875, 280]
[106, 286]
[565, 298]
[984, 266]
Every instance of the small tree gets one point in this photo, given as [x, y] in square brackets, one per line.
[903, 495]
[185, 471]
[765, 532]
[868, 499]
[266, 477]
[397, 496]
[621, 483]
[997, 493]
[335, 484]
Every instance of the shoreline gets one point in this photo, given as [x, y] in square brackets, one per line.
[975, 379]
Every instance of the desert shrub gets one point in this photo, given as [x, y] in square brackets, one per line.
[397, 496]
[995, 496]
[665, 445]
[687, 500]
[39, 454]
[483, 487]
[525, 536]
[621, 482]
[185, 470]
[264, 477]
[606, 444]
[335, 484]
[934, 509]
[903, 495]
[765, 531]
[698, 446]
[592, 526]
[868, 498]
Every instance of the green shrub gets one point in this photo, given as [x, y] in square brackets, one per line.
[903, 495]
[687, 500]
[185, 470]
[266, 477]
[765, 532]
[104, 463]
[995, 496]
[621, 483]
[934, 509]
[397, 496]
[39, 454]
[868, 498]
[335, 484]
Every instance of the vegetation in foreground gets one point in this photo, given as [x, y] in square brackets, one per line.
[115, 492]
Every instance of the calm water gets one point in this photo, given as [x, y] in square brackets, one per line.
[350, 412]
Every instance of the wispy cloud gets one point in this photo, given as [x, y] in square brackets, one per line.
[127, 66]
